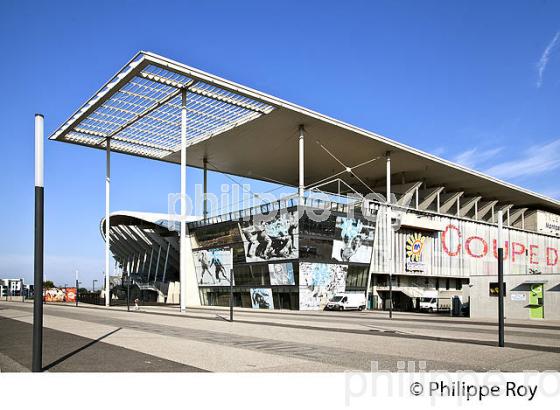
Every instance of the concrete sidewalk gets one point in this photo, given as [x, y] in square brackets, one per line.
[287, 341]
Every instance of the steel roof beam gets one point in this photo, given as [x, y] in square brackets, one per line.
[448, 201]
[516, 214]
[204, 93]
[428, 198]
[468, 204]
[153, 107]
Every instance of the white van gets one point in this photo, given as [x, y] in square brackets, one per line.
[347, 301]
[428, 304]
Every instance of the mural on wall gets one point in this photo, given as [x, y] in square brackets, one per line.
[281, 274]
[353, 240]
[319, 282]
[274, 239]
[213, 266]
[60, 295]
[261, 298]
[415, 245]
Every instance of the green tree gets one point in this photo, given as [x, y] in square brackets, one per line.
[48, 284]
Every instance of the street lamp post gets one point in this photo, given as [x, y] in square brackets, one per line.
[77, 288]
[37, 354]
[500, 281]
[231, 288]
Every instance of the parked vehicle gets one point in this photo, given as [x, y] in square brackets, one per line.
[428, 304]
[347, 301]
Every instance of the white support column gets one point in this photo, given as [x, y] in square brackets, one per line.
[107, 222]
[388, 240]
[183, 232]
[205, 187]
[301, 184]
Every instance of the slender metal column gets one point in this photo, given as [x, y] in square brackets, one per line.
[301, 184]
[150, 265]
[389, 242]
[500, 281]
[137, 265]
[231, 287]
[183, 233]
[107, 223]
[205, 187]
[37, 354]
[165, 263]
[157, 263]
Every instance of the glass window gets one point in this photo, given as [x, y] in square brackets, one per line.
[216, 235]
[315, 249]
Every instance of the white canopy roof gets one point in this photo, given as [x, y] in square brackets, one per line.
[244, 132]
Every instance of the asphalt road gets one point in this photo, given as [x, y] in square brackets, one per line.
[162, 339]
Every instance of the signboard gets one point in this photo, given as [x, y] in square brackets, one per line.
[353, 240]
[495, 289]
[261, 298]
[213, 266]
[270, 239]
[281, 274]
[415, 244]
[466, 248]
[518, 297]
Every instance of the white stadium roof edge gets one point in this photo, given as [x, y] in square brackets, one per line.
[244, 132]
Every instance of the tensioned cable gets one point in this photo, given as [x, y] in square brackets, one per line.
[241, 185]
[346, 168]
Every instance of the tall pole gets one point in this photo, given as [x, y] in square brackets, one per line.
[389, 241]
[37, 356]
[77, 288]
[205, 187]
[183, 233]
[301, 184]
[231, 287]
[107, 222]
[500, 281]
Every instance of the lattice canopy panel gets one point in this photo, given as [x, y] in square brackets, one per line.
[139, 110]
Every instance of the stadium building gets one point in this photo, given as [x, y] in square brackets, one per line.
[370, 214]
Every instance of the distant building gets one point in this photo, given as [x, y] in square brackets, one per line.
[11, 287]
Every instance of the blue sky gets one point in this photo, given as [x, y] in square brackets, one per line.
[476, 82]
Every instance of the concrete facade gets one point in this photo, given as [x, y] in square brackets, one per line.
[517, 298]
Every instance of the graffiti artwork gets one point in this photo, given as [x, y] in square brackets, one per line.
[318, 282]
[60, 295]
